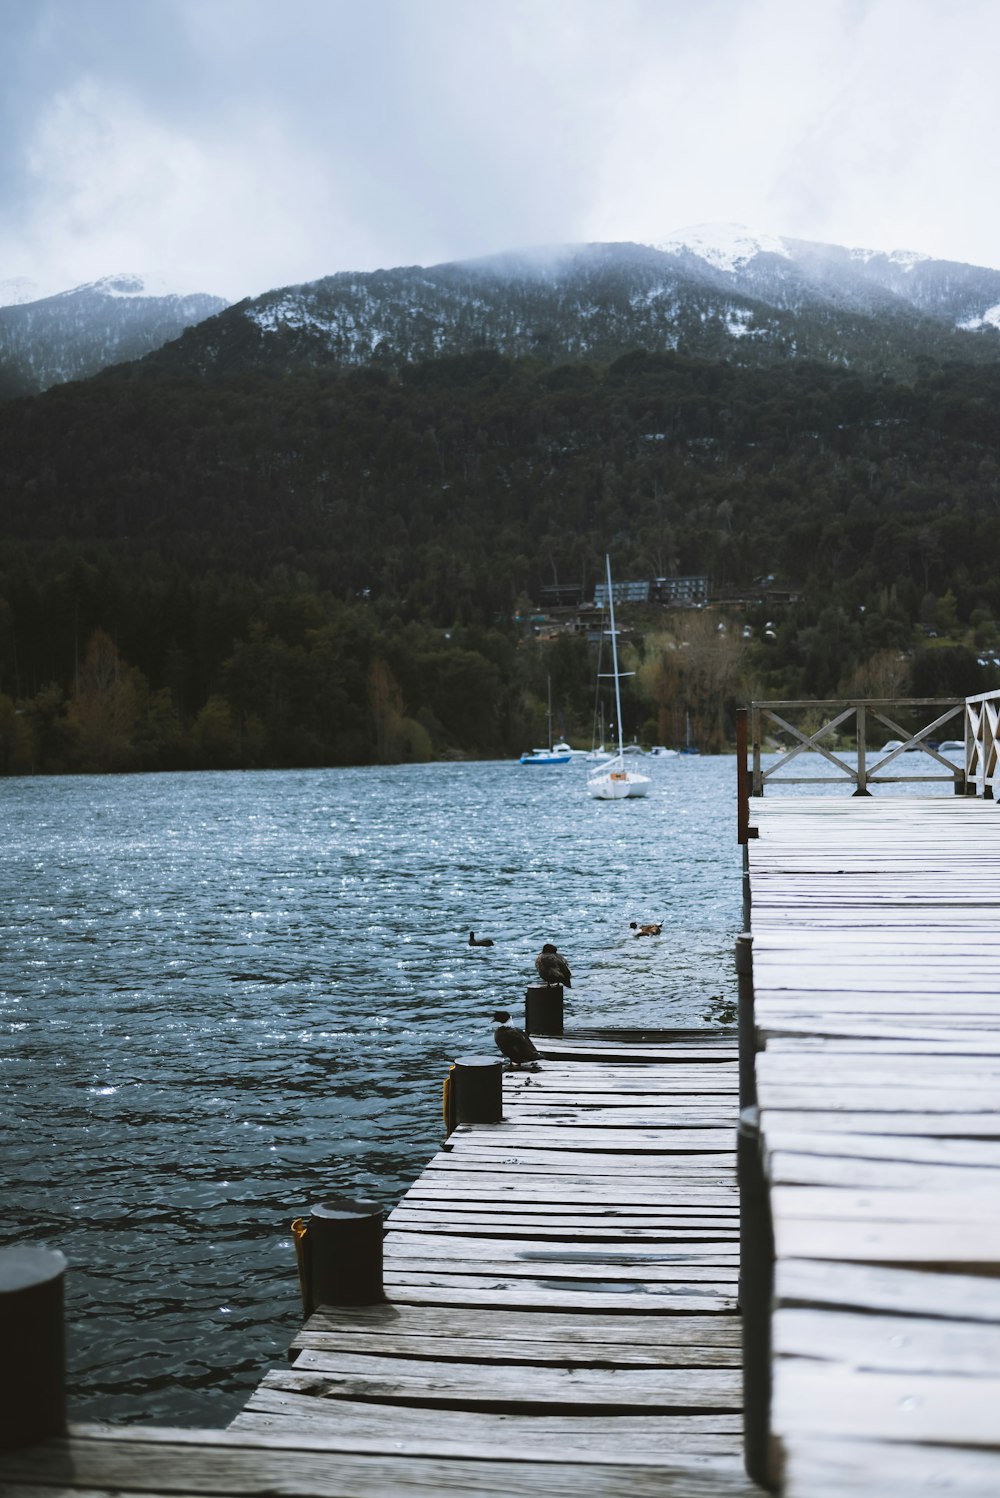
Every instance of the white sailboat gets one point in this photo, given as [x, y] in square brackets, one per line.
[615, 781]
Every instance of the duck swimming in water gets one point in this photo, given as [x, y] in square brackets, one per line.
[652, 929]
[552, 967]
[514, 1044]
[479, 941]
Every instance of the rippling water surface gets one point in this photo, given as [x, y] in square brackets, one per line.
[224, 997]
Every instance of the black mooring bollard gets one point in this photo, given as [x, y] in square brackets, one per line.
[343, 1254]
[543, 1009]
[33, 1338]
[477, 1089]
[746, 1028]
[756, 1292]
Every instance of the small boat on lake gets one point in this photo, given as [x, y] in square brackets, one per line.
[615, 781]
[555, 754]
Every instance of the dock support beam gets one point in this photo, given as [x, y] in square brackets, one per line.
[32, 1334]
[756, 1292]
[746, 1027]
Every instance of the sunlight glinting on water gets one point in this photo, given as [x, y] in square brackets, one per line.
[225, 997]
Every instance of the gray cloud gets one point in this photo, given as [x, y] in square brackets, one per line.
[235, 145]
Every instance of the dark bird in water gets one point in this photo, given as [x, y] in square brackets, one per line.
[514, 1044]
[479, 941]
[553, 968]
[653, 929]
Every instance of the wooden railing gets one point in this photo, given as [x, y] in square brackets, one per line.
[857, 763]
[982, 715]
[768, 729]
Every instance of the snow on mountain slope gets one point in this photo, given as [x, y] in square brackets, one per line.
[75, 333]
[727, 247]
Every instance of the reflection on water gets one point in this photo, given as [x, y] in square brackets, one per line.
[224, 997]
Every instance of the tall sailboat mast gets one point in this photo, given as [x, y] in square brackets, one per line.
[614, 656]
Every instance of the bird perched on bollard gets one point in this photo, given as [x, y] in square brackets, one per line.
[652, 929]
[479, 941]
[514, 1044]
[552, 967]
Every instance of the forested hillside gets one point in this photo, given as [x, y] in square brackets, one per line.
[331, 567]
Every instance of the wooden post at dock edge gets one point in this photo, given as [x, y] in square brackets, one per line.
[477, 1088]
[745, 1025]
[343, 1252]
[33, 1338]
[543, 1009]
[756, 1292]
[743, 829]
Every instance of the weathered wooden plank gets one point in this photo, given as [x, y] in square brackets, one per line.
[667, 1139]
[502, 1324]
[585, 1166]
[890, 1175]
[883, 1098]
[230, 1464]
[543, 1188]
[711, 1212]
[924, 1207]
[646, 1257]
[557, 1261]
[558, 1293]
[693, 1348]
[909, 1344]
[818, 1399]
[455, 1218]
[630, 1438]
[865, 1287]
[922, 1125]
[430, 1382]
[784, 1134]
[974, 1249]
[817, 1468]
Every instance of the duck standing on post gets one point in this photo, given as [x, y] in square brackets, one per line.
[552, 967]
[514, 1044]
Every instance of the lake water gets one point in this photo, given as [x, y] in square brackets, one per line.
[224, 997]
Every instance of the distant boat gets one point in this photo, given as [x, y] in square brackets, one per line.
[659, 751]
[555, 754]
[689, 746]
[614, 781]
[551, 756]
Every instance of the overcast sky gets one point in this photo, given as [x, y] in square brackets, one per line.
[236, 145]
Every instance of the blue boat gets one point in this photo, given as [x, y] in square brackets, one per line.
[555, 754]
[559, 754]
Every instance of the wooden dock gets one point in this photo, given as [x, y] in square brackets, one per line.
[560, 1318]
[876, 991]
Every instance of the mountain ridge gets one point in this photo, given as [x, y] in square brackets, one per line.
[72, 334]
[777, 298]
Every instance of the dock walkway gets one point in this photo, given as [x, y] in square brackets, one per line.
[876, 990]
[560, 1317]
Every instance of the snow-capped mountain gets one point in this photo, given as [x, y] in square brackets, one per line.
[46, 341]
[718, 292]
[795, 272]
